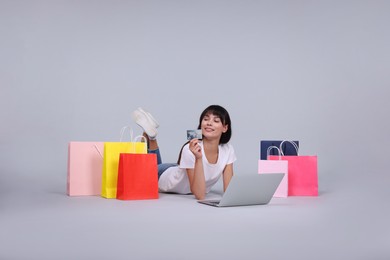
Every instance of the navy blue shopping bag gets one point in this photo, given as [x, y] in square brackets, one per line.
[287, 148]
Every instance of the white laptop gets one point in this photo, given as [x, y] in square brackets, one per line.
[248, 189]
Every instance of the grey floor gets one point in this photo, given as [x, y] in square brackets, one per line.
[349, 220]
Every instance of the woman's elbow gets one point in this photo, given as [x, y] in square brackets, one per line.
[199, 195]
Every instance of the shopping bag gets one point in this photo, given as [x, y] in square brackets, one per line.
[112, 150]
[302, 174]
[285, 147]
[85, 161]
[137, 177]
[279, 166]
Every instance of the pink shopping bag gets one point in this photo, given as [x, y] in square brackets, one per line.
[84, 168]
[278, 166]
[302, 174]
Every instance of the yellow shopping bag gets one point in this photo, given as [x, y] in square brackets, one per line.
[112, 150]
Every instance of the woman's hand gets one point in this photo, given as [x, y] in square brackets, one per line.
[195, 148]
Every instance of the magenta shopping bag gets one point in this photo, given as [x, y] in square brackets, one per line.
[84, 168]
[276, 166]
[302, 174]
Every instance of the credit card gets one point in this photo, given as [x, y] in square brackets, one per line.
[191, 134]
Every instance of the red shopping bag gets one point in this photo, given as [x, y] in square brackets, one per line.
[137, 177]
[302, 174]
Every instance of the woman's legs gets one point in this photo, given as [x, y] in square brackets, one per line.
[161, 168]
[152, 144]
[154, 149]
[147, 122]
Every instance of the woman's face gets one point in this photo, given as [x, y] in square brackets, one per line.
[212, 127]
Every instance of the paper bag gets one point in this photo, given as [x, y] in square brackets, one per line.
[85, 163]
[278, 166]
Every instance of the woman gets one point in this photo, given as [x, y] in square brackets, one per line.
[201, 162]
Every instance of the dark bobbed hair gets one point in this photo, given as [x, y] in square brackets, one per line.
[223, 114]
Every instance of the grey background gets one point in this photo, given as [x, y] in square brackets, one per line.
[314, 71]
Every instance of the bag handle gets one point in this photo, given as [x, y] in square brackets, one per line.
[273, 147]
[97, 149]
[123, 132]
[134, 141]
[291, 142]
